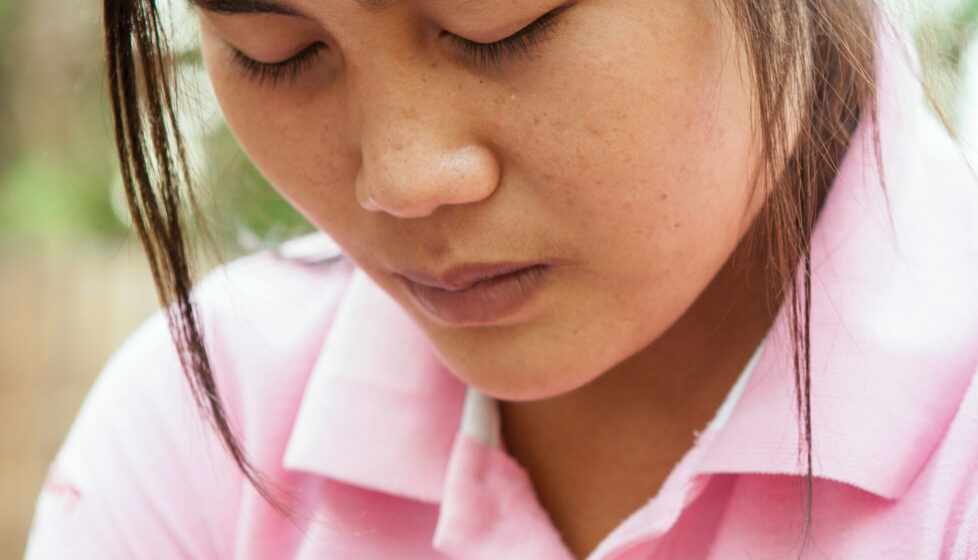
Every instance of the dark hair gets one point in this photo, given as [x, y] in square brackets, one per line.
[813, 71]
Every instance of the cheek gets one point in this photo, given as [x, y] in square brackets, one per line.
[650, 183]
[659, 156]
[293, 140]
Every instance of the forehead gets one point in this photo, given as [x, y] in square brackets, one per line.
[474, 16]
[283, 7]
[289, 7]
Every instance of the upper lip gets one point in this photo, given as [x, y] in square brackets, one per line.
[464, 276]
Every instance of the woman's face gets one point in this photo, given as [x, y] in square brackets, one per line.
[610, 141]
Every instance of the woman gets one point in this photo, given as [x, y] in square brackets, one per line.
[558, 233]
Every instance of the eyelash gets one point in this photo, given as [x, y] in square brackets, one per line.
[485, 56]
[274, 72]
[490, 56]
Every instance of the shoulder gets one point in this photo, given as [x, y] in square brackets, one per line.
[264, 319]
[276, 298]
[300, 273]
[944, 190]
[140, 469]
[945, 198]
[945, 493]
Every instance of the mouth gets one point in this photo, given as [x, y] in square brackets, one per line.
[478, 293]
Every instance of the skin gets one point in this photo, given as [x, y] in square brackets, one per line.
[621, 145]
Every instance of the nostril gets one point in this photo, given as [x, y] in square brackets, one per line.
[395, 202]
[366, 202]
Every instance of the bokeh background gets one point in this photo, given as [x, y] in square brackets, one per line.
[74, 283]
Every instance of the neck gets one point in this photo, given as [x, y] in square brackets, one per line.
[599, 452]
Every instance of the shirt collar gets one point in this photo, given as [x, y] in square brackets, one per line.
[377, 398]
[894, 321]
[894, 313]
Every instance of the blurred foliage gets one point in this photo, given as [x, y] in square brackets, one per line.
[56, 157]
[260, 216]
[58, 175]
[5, 141]
[56, 197]
[943, 38]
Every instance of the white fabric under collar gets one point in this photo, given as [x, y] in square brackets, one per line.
[723, 413]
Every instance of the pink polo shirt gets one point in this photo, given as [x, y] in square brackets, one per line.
[337, 395]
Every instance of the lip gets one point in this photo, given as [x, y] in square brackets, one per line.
[464, 276]
[476, 293]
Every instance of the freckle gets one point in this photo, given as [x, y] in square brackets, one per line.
[663, 196]
[536, 120]
[436, 250]
[677, 225]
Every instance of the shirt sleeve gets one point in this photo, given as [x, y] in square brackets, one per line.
[140, 475]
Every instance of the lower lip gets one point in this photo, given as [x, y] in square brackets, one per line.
[485, 302]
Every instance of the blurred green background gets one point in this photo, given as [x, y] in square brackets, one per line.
[72, 282]
[58, 175]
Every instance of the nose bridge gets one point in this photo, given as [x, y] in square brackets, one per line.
[418, 149]
[395, 116]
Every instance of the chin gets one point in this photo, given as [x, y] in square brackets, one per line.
[516, 380]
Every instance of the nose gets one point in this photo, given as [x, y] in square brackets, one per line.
[419, 152]
[412, 176]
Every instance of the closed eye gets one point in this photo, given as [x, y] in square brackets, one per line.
[274, 72]
[491, 56]
[487, 57]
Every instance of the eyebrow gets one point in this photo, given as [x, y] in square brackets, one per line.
[272, 6]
